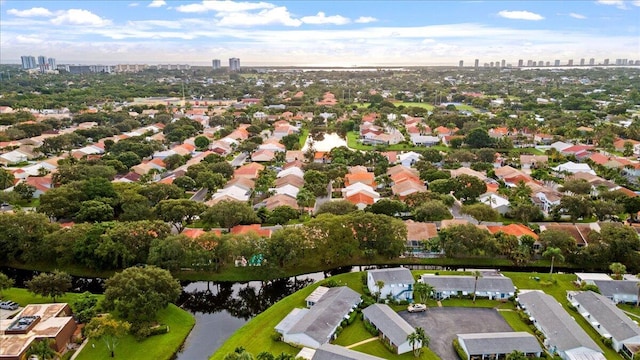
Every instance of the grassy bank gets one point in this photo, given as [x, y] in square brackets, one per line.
[24, 297]
[160, 347]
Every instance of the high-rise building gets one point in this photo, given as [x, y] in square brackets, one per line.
[461, 63]
[529, 62]
[234, 64]
[503, 63]
[476, 63]
[28, 62]
[51, 63]
[581, 62]
[606, 61]
[491, 64]
[556, 63]
[592, 61]
[520, 63]
[215, 63]
[42, 60]
[548, 63]
[570, 63]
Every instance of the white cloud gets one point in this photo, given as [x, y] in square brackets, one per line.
[321, 18]
[29, 39]
[33, 12]
[617, 3]
[577, 16]
[157, 3]
[369, 19]
[79, 17]
[223, 6]
[636, 3]
[134, 4]
[276, 16]
[520, 15]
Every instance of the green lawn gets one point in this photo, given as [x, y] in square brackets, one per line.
[24, 297]
[303, 137]
[414, 104]
[377, 348]
[155, 347]
[513, 319]
[480, 303]
[255, 336]
[353, 333]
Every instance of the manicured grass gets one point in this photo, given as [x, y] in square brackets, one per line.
[162, 346]
[353, 333]
[255, 336]
[513, 319]
[631, 309]
[24, 297]
[377, 348]
[414, 104]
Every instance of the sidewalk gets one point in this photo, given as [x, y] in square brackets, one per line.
[362, 342]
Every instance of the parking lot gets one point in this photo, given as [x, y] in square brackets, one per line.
[442, 325]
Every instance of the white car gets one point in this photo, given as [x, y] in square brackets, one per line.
[417, 308]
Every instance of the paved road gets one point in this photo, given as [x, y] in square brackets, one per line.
[200, 195]
[238, 160]
[442, 325]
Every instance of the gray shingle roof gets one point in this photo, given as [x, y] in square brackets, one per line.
[609, 288]
[500, 343]
[560, 329]
[393, 275]
[602, 310]
[334, 352]
[388, 322]
[465, 283]
[320, 321]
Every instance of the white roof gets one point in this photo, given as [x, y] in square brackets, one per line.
[409, 155]
[232, 191]
[559, 145]
[592, 276]
[493, 200]
[359, 187]
[574, 168]
[288, 190]
[291, 171]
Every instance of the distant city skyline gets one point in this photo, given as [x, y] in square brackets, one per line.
[319, 33]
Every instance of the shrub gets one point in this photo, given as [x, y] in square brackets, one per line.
[275, 336]
[370, 328]
[461, 353]
[607, 342]
[159, 330]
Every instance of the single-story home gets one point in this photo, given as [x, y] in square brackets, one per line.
[498, 345]
[335, 352]
[492, 286]
[393, 330]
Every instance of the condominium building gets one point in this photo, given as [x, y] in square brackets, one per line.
[234, 64]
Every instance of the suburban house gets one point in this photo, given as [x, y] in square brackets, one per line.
[533, 161]
[36, 322]
[607, 319]
[263, 155]
[618, 291]
[493, 287]
[468, 171]
[393, 330]
[571, 168]
[398, 283]
[619, 145]
[497, 202]
[315, 326]
[579, 232]
[544, 197]
[563, 335]
[517, 230]
[335, 352]
[418, 233]
[409, 158]
[498, 345]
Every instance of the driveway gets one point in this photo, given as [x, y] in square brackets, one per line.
[442, 325]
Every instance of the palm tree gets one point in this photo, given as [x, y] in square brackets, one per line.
[553, 253]
[418, 339]
[379, 285]
[477, 274]
[42, 349]
[618, 269]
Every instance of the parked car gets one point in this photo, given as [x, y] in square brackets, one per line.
[417, 308]
[8, 305]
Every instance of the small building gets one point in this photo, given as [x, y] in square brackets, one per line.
[492, 287]
[497, 202]
[618, 291]
[563, 336]
[317, 325]
[393, 330]
[398, 283]
[335, 352]
[498, 345]
[609, 321]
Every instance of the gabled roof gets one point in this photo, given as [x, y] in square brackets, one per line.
[610, 288]
[499, 343]
[420, 230]
[389, 323]
[360, 198]
[501, 284]
[392, 276]
[612, 319]
[256, 228]
[290, 179]
[560, 330]
[517, 230]
[280, 200]
[335, 352]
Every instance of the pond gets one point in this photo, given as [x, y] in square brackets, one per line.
[329, 142]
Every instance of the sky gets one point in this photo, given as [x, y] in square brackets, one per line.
[318, 33]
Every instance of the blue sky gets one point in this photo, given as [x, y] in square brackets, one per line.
[334, 33]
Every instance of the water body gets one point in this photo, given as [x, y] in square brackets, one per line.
[329, 142]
